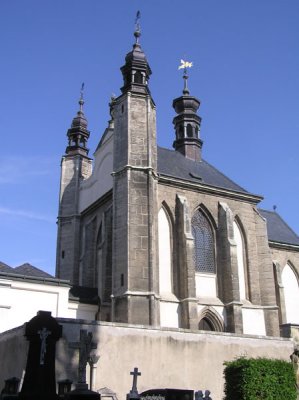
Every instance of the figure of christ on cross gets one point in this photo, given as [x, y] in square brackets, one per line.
[43, 334]
[84, 346]
[135, 374]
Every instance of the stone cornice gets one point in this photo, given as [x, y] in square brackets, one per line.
[283, 246]
[213, 190]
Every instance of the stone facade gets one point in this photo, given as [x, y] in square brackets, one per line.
[112, 220]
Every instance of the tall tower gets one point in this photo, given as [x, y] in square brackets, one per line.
[134, 195]
[75, 166]
[187, 124]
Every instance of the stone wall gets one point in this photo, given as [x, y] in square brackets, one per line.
[166, 358]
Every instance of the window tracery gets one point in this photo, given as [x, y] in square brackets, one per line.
[204, 248]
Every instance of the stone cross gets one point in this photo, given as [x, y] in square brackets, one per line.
[135, 374]
[84, 346]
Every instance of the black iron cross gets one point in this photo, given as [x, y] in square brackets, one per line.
[84, 346]
[135, 374]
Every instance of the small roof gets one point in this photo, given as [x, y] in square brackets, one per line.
[278, 230]
[29, 270]
[5, 268]
[174, 164]
[25, 269]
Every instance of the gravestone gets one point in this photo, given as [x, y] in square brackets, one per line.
[199, 395]
[42, 332]
[134, 392]
[85, 346]
[10, 390]
[207, 395]
[167, 394]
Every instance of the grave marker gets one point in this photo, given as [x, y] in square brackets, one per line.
[42, 332]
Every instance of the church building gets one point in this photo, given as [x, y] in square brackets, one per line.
[166, 238]
[184, 269]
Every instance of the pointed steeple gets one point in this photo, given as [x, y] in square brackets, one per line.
[78, 133]
[187, 124]
[136, 71]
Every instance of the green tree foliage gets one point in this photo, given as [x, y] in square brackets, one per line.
[259, 379]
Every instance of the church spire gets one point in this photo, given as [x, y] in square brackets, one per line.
[136, 71]
[78, 133]
[187, 122]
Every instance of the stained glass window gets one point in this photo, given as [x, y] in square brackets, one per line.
[204, 255]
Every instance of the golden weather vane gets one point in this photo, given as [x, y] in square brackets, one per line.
[184, 65]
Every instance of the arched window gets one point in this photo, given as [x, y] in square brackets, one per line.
[210, 320]
[165, 267]
[189, 130]
[204, 248]
[99, 263]
[205, 325]
[291, 294]
[138, 78]
[241, 260]
[181, 132]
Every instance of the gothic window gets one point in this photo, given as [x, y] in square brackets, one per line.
[210, 320]
[204, 248]
[291, 294]
[99, 263]
[138, 78]
[205, 325]
[189, 130]
[181, 132]
[165, 264]
[241, 260]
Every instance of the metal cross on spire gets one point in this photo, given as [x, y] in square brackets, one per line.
[81, 101]
[137, 32]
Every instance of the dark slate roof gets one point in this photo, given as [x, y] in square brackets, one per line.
[25, 269]
[278, 229]
[5, 268]
[174, 164]
[29, 270]
[84, 294]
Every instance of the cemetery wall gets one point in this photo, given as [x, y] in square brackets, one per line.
[167, 358]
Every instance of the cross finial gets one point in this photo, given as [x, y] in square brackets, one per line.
[84, 346]
[81, 101]
[137, 32]
[135, 374]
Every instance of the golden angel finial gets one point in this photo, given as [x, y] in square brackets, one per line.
[185, 64]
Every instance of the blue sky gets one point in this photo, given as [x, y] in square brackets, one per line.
[246, 63]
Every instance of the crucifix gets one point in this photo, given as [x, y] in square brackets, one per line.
[43, 334]
[135, 374]
[84, 346]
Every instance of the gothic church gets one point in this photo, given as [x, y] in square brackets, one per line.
[166, 238]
